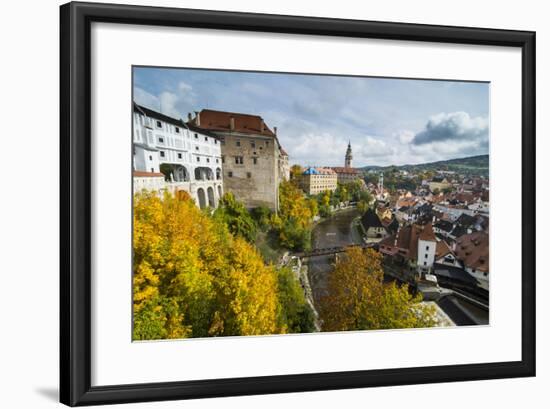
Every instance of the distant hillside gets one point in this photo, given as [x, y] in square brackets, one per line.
[471, 165]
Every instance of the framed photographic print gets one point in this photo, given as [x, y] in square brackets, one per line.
[262, 203]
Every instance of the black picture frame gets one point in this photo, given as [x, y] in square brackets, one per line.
[76, 199]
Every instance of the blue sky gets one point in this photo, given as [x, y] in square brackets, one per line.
[388, 121]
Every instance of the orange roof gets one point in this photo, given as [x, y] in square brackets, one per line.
[243, 123]
[427, 233]
[473, 250]
[138, 173]
[350, 171]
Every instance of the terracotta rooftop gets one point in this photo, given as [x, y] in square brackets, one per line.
[232, 122]
[473, 250]
[406, 240]
[138, 173]
[350, 171]
[427, 233]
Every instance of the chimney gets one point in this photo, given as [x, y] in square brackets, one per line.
[197, 118]
[275, 130]
[232, 123]
[189, 117]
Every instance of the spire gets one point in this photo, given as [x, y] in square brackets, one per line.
[349, 156]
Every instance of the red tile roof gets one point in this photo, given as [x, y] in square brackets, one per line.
[138, 173]
[221, 121]
[427, 233]
[350, 171]
[473, 250]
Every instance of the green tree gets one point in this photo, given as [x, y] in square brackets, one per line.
[236, 217]
[193, 278]
[295, 314]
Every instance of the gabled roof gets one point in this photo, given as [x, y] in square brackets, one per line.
[243, 123]
[310, 171]
[345, 171]
[370, 219]
[157, 115]
[473, 250]
[427, 233]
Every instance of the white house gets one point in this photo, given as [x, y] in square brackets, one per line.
[427, 244]
[189, 159]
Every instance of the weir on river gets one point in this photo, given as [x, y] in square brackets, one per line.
[333, 232]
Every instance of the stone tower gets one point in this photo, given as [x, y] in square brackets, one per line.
[349, 156]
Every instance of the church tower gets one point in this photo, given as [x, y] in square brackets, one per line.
[349, 156]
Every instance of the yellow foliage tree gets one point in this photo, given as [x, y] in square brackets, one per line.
[358, 298]
[192, 278]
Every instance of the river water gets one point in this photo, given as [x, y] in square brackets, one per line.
[333, 232]
[338, 231]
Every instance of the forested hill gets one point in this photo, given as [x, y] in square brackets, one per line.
[470, 165]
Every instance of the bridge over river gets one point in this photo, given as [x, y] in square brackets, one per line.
[334, 235]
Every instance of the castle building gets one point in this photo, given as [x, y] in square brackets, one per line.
[349, 157]
[169, 155]
[347, 173]
[254, 162]
[316, 180]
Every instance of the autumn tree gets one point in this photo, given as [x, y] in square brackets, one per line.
[358, 298]
[295, 172]
[194, 278]
[296, 212]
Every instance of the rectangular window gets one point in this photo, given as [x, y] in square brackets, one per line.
[161, 140]
[238, 143]
[223, 159]
[206, 139]
[248, 175]
[427, 248]
[177, 130]
[207, 160]
[162, 154]
[239, 160]
[196, 148]
[159, 124]
[217, 160]
[230, 174]
[198, 159]
[425, 264]
[179, 156]
[152, 170]
[150, 157]
[425, 256]
[255, 161]
[196, 136]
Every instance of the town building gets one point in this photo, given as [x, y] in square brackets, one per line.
[254, 162]
[427, 244]
[169, 155]
[349, 157]
[346, 175]
[316, 180]
[473, 250]
[374, 230]
[284, 166]
[439, 183]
